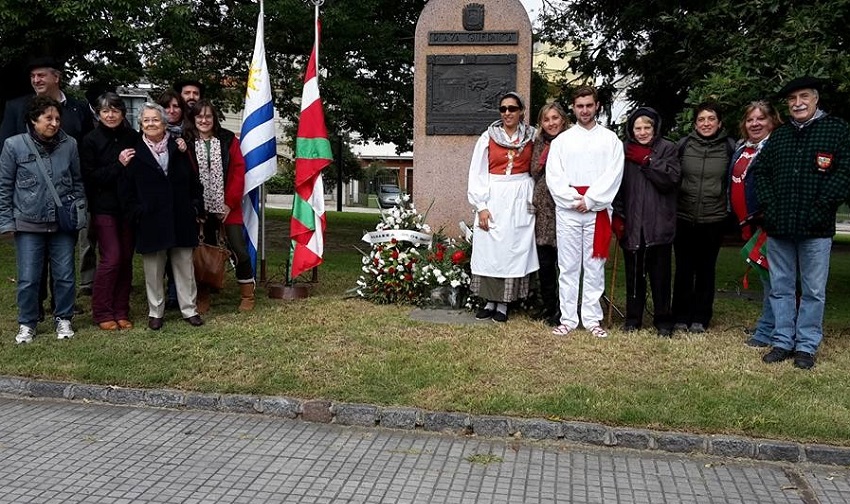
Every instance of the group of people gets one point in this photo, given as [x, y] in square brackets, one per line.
[67, 174]
[549, 200]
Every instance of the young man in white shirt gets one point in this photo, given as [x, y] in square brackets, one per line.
[583, 173]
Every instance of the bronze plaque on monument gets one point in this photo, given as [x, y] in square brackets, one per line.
[462, 91]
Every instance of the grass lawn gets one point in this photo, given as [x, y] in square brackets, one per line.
[349, 350]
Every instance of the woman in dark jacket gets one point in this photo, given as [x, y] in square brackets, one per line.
[646, 202]
[702, 209]
[164, 202]
[551, 122]
[217, 158]
[104, 155]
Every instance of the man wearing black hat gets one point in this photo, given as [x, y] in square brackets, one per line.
[76, 121]
[802, 175]
[45, 78]
[191, 90]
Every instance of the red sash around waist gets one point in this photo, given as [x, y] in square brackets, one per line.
[602, 232]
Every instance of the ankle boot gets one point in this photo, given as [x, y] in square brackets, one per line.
[247, 291]
[203, 301]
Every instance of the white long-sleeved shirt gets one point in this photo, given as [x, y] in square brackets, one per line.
[585, 157]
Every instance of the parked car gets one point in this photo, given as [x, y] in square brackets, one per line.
[389, 195]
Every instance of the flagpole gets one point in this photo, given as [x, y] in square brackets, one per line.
[259, 148]
[312, 155]
[316, 4]
[263, 233]
[263, 208]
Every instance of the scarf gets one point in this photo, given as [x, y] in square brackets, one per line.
[546, 136]
[48, 144]
[497, 133]
[818, 114]
[637, 153]
[211, 173]
[159, 150]
[544, 154]
[757, 145]
[601, 232]
[175, 129]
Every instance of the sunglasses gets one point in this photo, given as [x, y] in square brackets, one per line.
[509, 108]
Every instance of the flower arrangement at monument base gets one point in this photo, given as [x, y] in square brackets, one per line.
[446, 270]
[407, 265]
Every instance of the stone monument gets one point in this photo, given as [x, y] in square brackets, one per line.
[467, 54]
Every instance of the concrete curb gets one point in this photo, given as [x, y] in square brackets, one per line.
[366, 415]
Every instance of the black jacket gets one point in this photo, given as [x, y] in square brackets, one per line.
[163, 208]
[101, 168]
[647, 196]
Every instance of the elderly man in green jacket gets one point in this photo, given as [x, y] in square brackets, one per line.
[801, 176]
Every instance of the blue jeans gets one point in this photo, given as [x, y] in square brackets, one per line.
[800, 330]
[766, 322]
[31, 249]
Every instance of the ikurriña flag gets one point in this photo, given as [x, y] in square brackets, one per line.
[312, 155]
[257, 140]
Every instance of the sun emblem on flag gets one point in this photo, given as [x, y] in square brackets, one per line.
[253, 79]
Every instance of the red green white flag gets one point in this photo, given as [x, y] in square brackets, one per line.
[312, 155]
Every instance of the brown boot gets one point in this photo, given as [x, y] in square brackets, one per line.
[203, 301]
[247, 290]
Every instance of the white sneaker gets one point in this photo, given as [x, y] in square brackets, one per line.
[599, 332]
[63, 329]
[25, 334]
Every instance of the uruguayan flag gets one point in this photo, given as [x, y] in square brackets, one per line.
[257, 139]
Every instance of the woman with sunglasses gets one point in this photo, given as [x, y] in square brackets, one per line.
[501, 189]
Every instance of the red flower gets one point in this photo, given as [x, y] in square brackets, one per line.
[439, 255]
[458, 257]
[395, 253]
[393, 241]
[408, 277]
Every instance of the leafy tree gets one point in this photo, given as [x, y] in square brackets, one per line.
[98, 38]
[366, 52]
[676, 53]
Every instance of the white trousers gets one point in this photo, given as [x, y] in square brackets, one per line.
[575, 248]
[184, 279]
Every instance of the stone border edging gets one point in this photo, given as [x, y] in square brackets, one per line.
[365, 415]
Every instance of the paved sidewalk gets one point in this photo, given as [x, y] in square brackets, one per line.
[63, 451]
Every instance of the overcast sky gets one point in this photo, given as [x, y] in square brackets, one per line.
[533, 7]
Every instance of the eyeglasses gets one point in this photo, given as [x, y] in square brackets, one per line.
[508, 108]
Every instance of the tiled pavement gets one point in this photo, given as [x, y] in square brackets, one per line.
[63, 451]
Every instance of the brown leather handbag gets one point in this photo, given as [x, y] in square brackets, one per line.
[210, 261]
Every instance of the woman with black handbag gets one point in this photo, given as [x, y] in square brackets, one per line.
[43, 203]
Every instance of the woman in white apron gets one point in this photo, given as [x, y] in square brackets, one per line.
[501, 188]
